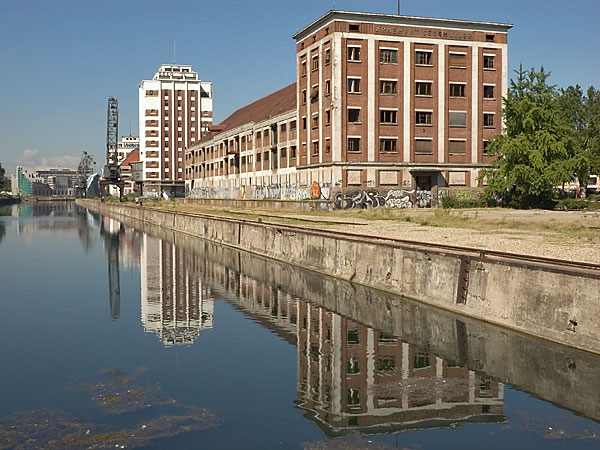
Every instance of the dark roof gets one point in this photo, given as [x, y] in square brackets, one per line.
[279, 102]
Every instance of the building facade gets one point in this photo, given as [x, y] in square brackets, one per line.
[175, 110]
[385, 102]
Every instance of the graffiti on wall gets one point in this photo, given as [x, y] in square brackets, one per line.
[394, 198]
[274, 191]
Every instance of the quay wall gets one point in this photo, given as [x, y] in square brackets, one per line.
[542, 300]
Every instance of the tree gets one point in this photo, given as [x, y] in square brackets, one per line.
[535, 151]
[4, 181]
[583, 114]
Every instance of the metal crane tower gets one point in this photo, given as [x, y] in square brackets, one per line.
[111, 173]
[84, 170]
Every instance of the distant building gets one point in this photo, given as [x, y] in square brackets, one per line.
[175, 110]
[126, 145]
[44, 182]
[126, 172]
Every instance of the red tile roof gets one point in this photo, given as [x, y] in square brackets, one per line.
[133, 156]
[278, 102]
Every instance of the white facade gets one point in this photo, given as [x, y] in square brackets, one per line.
[175, 110]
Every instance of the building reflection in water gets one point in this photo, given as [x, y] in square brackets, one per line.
[350, 376]
[176, 305]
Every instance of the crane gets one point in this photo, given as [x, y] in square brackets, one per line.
[110, 174]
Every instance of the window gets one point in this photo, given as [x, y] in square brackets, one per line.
[282, 128]
[488, 120]
[353, 397]
[423, 117]
[387, 145]
[293, 125]
[354, 85]
[353, 336]
[457, 90]
[327, 117]
[423, 58]
[315, 148]
[303, 97]
[353, 144]
[386, 364]
[352, 367]
[488, 91]
[387, 87]
[303, 69]
[304, 123]
[490, 37]
[423, 146]
[354, 115]
[457, 147]
[314, 94]
[327, 87]
[327, 56]
[488, 61]
[457, 119]
[423, 88]
[486, 151]
[315, 63]
[293, 152]
[353, 53]
[353, 27]
[388, 116]
[315, 121]
[457, 60]
[421, 360]
[388, 56]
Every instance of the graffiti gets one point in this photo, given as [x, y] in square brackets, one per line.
[423, 198]
[274, 191]
[358, 200]
[315, 190]
[325, 191]
[398, 198]
[302, 194]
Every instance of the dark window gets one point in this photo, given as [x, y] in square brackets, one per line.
[423, 88]
[423, 117]
[488, 120]
[388, 117]
[354, 85]
[387, 145]
[421, 360]
[488, 92]
[354, 144]
[353, 27]
[387, 87]
[457, 90]
[327, 56]
[423, 58]
[488, 61]
[354, 115]
[353, 53]
[387, 56]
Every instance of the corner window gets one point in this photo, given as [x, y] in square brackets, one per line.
[327, 56]
[488, 62]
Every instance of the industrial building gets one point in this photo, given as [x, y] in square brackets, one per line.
[380, 101]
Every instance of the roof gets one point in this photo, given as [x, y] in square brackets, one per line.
[394, 19]
[279, 102]
[132, 156]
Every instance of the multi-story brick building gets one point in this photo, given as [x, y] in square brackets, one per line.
[175, 110]
[382, 101]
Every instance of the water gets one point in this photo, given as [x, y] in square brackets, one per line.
[112, 336]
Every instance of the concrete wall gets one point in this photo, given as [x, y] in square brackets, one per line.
[541, 300]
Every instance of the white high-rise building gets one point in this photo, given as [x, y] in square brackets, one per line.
[175, 111]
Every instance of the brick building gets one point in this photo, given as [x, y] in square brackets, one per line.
[175, 110]
[382, 101]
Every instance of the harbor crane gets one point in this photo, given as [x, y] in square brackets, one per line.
[111, 174]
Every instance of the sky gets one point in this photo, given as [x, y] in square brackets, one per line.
[60, 60]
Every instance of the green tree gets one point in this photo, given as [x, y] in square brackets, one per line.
[4, 181]
[535, 151]
[582, 111]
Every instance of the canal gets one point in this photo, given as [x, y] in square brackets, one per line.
[121, 335]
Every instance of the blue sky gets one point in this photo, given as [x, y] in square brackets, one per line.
[62, 59]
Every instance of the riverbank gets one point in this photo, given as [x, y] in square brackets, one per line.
[569, 235]
[554, 300]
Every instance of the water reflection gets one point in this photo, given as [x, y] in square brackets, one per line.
[366, 360]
